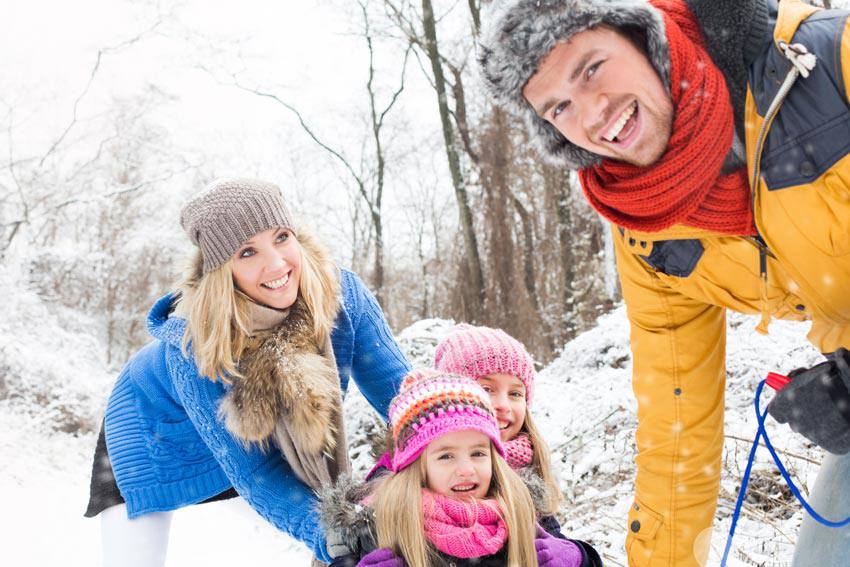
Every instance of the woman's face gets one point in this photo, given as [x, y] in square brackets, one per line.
[458, 465]
[507, 394]
[267, 268]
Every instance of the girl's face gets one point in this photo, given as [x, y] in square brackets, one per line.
[507, 394]
[267, 268]
[458, 465]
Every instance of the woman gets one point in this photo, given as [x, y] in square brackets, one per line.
[240, 390]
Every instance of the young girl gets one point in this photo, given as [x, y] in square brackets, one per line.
[452, 499]
[505, 370]
[240, 390]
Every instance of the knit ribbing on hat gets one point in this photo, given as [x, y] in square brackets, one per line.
[478, 351]
[432, 404]
[229, 212]
[522, 32]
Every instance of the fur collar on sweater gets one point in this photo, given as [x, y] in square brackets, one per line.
[285, 375]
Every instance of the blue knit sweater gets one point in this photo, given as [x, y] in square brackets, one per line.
[169, 449]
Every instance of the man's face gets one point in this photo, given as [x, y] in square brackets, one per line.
[602, 93]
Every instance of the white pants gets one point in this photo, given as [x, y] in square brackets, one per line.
[143, 541]
[140, 542]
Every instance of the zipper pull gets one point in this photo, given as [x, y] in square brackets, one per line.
[763, 325]
[799, 56]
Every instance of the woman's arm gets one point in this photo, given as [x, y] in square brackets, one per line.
[378, 364]
[264, 480]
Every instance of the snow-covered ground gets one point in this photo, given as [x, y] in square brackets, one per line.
[51, 380]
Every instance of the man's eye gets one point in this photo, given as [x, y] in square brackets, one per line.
[592, 70]
[562, 106]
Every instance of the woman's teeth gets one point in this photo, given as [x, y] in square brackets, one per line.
[618, 126]
[464, 488]
[274, 284]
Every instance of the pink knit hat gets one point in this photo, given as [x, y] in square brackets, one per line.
[478, 351]
[431, 404]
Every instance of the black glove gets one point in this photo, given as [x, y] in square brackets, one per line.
[816, 403]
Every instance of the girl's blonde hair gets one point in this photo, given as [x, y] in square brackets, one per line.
[404, 532]
[217, 312]
[542, 465]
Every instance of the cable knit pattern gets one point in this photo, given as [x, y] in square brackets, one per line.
[432, 404]
[169, 448]
[519, 451]
[478, 351]
[463, 529]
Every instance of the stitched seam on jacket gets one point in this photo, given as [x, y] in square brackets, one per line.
[675, 460]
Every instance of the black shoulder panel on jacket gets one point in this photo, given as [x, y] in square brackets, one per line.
[811, 132]
[675, 257]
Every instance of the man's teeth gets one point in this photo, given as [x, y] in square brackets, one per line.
[618, 126]
[274, 284]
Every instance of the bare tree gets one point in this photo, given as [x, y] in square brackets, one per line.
[369, 177]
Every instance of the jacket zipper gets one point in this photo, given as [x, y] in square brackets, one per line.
[772, 111]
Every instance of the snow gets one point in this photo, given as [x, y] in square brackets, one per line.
[55, 385]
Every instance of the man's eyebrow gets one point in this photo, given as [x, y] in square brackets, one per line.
[582, 63]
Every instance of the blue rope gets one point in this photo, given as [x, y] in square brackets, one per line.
[761, 416]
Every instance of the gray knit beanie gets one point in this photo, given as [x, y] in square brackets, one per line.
[521, 33]
[228, 212]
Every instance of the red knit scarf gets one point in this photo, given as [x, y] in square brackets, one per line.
[684, 186]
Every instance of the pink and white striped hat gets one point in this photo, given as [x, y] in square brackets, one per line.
[431, 404]
[478, 351]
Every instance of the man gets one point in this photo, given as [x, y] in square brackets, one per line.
[720, 156]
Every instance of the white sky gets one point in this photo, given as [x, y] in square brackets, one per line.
[303, 51]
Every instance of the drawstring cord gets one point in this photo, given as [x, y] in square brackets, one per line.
[760, 417]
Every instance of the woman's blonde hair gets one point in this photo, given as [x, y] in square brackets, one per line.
[217, 312]
[404, 532]
[542, 465]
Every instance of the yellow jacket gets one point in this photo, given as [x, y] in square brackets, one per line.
[677, 284]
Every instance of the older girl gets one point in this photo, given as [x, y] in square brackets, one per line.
[240, 390]
[505, 369]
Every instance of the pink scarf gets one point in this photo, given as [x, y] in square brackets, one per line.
[463, 529]
[518, 451]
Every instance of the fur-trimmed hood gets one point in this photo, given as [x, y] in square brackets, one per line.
[342, 509]
[521, 33]
[537, 487]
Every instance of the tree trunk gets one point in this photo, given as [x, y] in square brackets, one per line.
[473, 260]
